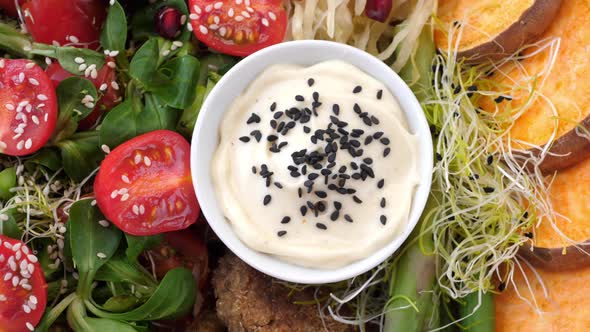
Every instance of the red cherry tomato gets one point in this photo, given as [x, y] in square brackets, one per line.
[23, 291]
[238, 27]
[9, 7]
[28, 107]
[109, 97]
[144, 186]
[66, 22]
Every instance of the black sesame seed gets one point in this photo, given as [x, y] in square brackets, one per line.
[321, 206]
[368, 140]
[355, 143]
[245, 139]
[381, 183]
[357, 200]
[299, 98]
[277, 115]
[334, 119]
[368, 161]
[488, 190]
[299, 192]
[368, 170]
[253, 169]
[356, 176]
[283, 144]
[348, 218]
[310, 82]
[267, 199]
[253, 119]
[367, 121]
[379, 94]
[384, 141]
[257, 135]
[278, 185]
[281, 233]
[499, 99]
[502, 286]
[378, 135]
[285, 220]
[439, 156]
[374, 119]
[383, 219]
[281, 125]
[386, 152]
[306, 129]
[272, 138]
[273, 124]
[334, 216]
[308, 183]
[273, 107]
[310, 205]
[295, 174]
[529, 235]
[383, 202]
[321, 226]
[357, 108]
[303, 210]
[337, 205]
[315, 95]
[291, 124]
[357, 89]
[336, 109]
[321, 194]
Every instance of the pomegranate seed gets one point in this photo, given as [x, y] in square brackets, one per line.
[378, 10]
[168, 22]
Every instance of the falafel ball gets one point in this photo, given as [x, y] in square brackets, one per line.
[250, 301]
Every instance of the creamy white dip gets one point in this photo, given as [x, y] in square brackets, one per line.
[268, 158]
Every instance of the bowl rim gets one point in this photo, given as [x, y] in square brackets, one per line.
[271, 265]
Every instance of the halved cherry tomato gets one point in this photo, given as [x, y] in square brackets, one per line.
[28, 107]
[23, 291]
[66, 22]
[238, 27]
[110, 97]
[144, 186]
[9, 7]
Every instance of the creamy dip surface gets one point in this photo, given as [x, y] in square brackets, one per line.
[316, 165]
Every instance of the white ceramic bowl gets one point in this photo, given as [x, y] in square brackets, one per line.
[206, 138]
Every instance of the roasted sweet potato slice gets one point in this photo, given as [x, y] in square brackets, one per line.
[561, 103]
[565, 309]
[492, 29]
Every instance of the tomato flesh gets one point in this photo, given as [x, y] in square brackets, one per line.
[28, 107]
[75, 23]
[238, 27]
[108, 98]
[144, 185]
[23, 290]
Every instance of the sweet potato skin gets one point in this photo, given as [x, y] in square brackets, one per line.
[526, 29]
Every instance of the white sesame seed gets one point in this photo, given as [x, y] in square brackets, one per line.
[183, 19]
[141, 209]
[264, 22]
[7, 276]
[114, 53]
[203, 29]
[31, 268]
[60, 245]
[272, 16]
[82, 67]
[147, 161]
[208, 8]
[218, 5]
[30, 65]
[33, 258]
[33, 299]
[15, 280]
[48, 61]
[111, 2]
[101, 255]
[74, 39]
[125, 179]
[23, 265]
[30, 326]
[33, 81]
[245, 14]
[27, 287]
[239, 18]
[105, 148]
[165, 52]
[250, 9]
[16, 247]
[25, 250]
[3, 217]
[111, 64]
[46, 117]
[12, 264]
[28, 144]
[230, 12]
[222, 31]
[197, 9]
[2, 63]
[35, 119]
[17, 255]
[21, 77]
[93, 203]
[189, 27]
[137, 159]
[42, 97]
[20, 144]
[177, 43]
[123, 191]
[26, 309]
[194, 17]
[29, 108]
[9, 107]
[213, 27]
[3, 297]
[125, 197]
[93, 74]
[8, 245]
[114, 194]
[79, 60]
[114, 85]
[135, 209]
[104, 223]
